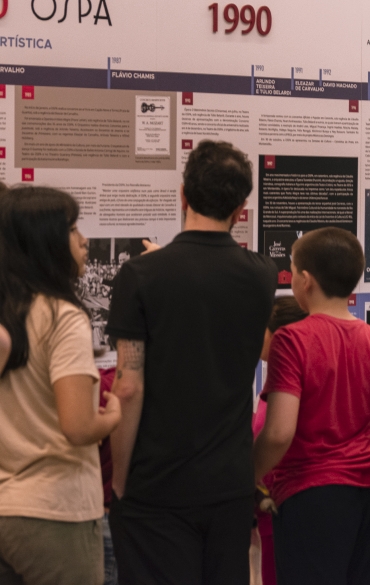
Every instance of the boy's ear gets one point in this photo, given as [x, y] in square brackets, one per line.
[308, 280]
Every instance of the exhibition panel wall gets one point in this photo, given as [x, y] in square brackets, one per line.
[106, 98]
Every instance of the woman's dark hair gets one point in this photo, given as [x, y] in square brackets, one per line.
[35, 257]
[285, 310]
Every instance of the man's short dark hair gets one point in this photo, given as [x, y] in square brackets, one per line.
[217, 179]
[333, 256]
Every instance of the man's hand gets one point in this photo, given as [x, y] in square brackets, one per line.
[149, 247]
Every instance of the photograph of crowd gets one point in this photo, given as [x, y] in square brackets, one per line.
[106, 256]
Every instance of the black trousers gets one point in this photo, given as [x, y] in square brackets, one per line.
[183, 546]
[322, 537]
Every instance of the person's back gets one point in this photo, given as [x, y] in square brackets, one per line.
[205, 301]
[50, 485]
[43, 475]
[333, 435]
[189, 320]
[317, 432]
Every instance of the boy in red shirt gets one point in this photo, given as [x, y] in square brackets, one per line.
[317, 430]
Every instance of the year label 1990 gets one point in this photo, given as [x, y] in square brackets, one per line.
[247, 15]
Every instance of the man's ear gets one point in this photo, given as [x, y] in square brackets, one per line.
[184, 201]
[236, 213]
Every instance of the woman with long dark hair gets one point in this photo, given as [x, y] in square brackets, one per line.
[50, 483]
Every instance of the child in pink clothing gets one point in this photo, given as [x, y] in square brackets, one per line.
[285, 310]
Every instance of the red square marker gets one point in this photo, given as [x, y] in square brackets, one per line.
[244, 215]
[243, 244]
[28, 92]
[353, 106]
[270, 161]
[2, 152]
[186, 144]
[2, 91]
[352, 300]
[28, 174]
[187, 98]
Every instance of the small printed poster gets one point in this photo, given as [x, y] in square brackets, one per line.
[152, 136]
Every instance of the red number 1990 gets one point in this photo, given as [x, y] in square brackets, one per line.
[247, 15]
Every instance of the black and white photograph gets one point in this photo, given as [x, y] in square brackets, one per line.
[106, 256]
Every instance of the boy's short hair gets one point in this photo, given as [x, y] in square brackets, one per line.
[333, 256]
[217, 179]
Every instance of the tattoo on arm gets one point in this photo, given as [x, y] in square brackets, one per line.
[132, 354]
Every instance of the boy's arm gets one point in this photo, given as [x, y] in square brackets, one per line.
[128, 386]
[277, 434]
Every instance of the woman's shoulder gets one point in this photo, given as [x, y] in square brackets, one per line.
[51, 305]
[46, 312]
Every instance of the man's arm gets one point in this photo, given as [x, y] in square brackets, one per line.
[277, 434]
[128, 386]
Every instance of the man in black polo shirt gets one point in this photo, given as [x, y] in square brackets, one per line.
[189, 320]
